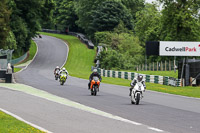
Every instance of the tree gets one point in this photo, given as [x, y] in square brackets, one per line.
[148, 24]
[84, 10]
[108, 15]
[67, 17]
[47, 10]
[4, 22]
[179, 20]
[124, 50]
[134, 6]
[25, 20]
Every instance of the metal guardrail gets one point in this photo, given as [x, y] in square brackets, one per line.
[20, 59]
[81, 36]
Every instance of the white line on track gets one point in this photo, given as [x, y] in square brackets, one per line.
[19, 118]
[50, 97]
[84, 108]
[155, 129]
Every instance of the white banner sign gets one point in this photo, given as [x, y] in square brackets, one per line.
[170, 48]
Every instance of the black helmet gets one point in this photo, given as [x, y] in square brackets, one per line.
[140, 77]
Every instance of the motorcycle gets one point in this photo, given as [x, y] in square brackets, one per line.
[56, 74]
[137, 93]
[63, 77]
[94, 86]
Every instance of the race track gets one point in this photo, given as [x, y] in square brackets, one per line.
[169, 113]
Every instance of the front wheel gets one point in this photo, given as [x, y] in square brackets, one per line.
[137, 98]
[95, 91]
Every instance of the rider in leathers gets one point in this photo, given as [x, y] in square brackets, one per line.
[133, 83]
[95, 73]
[63, 71]
[57, 68]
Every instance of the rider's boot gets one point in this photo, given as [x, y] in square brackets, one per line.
[130, 91]
[88, 86]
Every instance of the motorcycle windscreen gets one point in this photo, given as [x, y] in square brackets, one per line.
[95, 79]
[139, 86]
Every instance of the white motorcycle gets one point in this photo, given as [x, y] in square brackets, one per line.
[137, 93]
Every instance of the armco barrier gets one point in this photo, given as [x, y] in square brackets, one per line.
[20, 59]
[164, 80]
[82, 37]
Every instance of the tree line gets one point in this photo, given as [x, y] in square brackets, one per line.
[20, 20]
[123, 26]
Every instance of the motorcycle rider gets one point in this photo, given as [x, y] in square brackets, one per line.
[63, 71]
[57, 68]
[134, 81]
[95, 73]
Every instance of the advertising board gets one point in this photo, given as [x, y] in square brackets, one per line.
[172, 48]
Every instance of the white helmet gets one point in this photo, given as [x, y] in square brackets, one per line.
[57, 67]
[63, 69]
[95, 70]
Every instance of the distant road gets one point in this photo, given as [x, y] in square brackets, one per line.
[169, 113]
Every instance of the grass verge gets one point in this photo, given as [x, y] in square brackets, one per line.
[17, 69]
[80, 58]
[9, 124]
[80, 67]
[184, 91]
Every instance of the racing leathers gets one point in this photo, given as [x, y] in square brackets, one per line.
[91, 77]
[133, 83]
[64, 72]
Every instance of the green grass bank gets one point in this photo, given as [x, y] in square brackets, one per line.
[81, 67]
[9, 124]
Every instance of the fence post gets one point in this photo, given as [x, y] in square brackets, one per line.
[165, 65]
[149, 66]
[157, 66]
[153, 66]
[169, 65]
[146, 66]
[161, 65]
[142, 67]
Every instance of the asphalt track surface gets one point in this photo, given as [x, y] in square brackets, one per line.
[169, 113]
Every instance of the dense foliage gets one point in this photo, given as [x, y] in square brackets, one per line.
[21, 19]
[122, 26]
[108, 15]
[7, 39]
